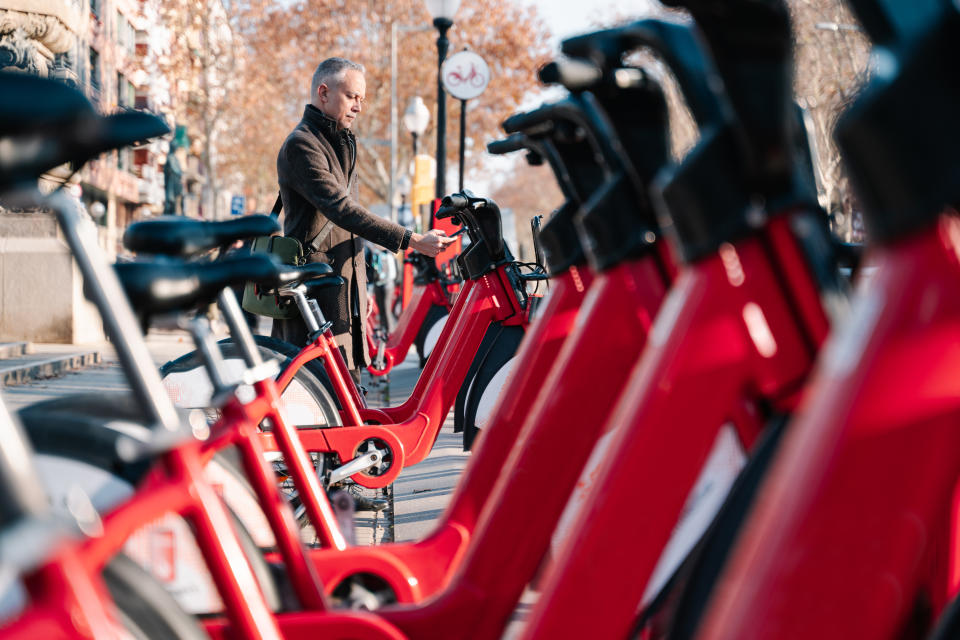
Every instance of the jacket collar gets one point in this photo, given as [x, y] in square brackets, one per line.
[320, 121]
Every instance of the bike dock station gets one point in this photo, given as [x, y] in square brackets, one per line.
[712, 425]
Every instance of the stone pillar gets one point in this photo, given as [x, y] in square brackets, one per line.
[41, 292]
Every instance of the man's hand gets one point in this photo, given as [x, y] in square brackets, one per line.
[430, 243]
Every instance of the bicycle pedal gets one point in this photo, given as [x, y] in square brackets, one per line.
[357, 465]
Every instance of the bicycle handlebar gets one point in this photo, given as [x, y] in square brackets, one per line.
[899, 137]
[510, 144]
[575, 75]
[751, 45]
[543, 120]
[681, 49]
[544, 149]
[580, 75]
[452, 205]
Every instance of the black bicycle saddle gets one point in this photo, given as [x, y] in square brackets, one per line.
[167, 286]
[186, 237]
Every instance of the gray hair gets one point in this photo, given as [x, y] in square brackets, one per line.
[332, 70]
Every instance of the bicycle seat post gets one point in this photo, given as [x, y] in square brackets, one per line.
[309, 309]
[210, 354]
[103, 288]
[227, 301]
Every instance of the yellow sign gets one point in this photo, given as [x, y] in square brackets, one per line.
[422, 191]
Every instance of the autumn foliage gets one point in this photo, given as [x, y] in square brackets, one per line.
[284, 42]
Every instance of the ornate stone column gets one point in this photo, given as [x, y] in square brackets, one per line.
[32, 32]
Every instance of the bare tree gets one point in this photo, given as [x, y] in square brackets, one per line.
[202, 60]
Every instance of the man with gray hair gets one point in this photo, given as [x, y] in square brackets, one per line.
[317, 171]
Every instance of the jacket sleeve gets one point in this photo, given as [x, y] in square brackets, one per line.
[308, 173]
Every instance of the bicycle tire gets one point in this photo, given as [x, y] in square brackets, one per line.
[501, 352]
[76, 430]
[459, 405]
[309, 398]
[435, 313]
[145, 607]
[266, 577]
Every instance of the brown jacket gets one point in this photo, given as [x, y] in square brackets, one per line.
[316, 169]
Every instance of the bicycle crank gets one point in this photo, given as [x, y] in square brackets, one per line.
[373, 461]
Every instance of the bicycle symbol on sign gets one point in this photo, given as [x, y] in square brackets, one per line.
[465, 75]
[473, 78]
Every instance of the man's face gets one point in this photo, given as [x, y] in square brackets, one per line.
[343, 101]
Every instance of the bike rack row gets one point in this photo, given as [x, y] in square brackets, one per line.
[699, 432]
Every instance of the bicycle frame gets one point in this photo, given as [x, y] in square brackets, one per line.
[863, 498]
[178, 486]
[398, 344]
[66, 601]
[517, 520]
[415, 571]
[416, 423]
[736, 338]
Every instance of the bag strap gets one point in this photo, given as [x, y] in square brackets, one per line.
[277, 206]
[314, 243]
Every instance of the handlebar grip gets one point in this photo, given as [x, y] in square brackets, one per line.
[539, 120]
[515, 142]
[452, 205]
[575, 75]
[455, 200]
[446, 212]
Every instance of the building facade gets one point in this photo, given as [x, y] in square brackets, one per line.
[113, 50]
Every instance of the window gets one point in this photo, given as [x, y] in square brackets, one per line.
[126, 36]
[124, 159]
[126, 94]
[95, 72]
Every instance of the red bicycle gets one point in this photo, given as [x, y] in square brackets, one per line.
[419, 323]
[731, 348]
[48, 591]
[855, 528]
[177, 483]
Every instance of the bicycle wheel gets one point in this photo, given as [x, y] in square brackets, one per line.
[76, 443]
[486, 385]
[145, 608]
[308, 400]
[430, 331]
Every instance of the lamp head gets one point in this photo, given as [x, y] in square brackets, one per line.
[417, 116]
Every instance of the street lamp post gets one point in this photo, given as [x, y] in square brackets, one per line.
[415, 120]
[442, 12]
[395, 29]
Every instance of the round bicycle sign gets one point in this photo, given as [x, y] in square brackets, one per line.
[465, 75]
